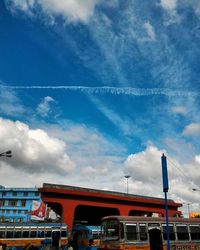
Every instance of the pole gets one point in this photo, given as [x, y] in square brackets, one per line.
[127, 177]
[167, 222]
[165, 190]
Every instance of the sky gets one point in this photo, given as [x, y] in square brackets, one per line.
[94, 90]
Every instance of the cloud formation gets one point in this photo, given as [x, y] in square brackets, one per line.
[33, 149]
[192, 129]
[44, 108]
[69, 11]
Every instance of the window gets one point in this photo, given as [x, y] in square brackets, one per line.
[4, 193]
[1, 203]
[171, 232]
[14, 211]
[143, 232]
[110, 229]
[12, 203]
[131, 232]
[195, 232]
[23, 203]
[25, 193]
[15, 193]
[182, 232]
[10, 232]
[48, 233]
[19, 211]
[33, 233]
[17, 233]
[8, 211]
[40, 233]
[2, 233]
[36, 193]
[25, 233]
[3, 211]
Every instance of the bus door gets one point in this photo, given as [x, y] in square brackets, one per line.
[56, 239]
[155, 236]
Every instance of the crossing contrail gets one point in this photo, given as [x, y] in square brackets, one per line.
[113, 90]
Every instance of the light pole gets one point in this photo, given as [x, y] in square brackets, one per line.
[6, 154]
[188, 208]
[127, 177]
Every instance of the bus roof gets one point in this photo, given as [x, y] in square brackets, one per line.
[151, 219]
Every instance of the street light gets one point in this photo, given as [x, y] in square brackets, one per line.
[127, 177]
[6, 154]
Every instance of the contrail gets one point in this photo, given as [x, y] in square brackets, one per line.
[114, 90]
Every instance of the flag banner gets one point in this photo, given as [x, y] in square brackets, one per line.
[38, 210]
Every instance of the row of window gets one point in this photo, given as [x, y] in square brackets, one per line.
[177, 232]
[3, 211]
[5, 219]
[15, 193]
[29, 233]
[13, 203]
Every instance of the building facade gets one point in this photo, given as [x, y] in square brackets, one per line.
[16, 203]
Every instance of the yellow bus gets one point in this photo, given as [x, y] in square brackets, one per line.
[133, 232]
[20, 235]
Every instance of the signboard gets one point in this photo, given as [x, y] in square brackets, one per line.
[38, 210]
[194, 215]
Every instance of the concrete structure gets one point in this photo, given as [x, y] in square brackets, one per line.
[16, 203]
[90, 205]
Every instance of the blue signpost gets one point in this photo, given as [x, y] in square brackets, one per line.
[165, 190]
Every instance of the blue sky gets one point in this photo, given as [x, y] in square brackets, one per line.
[94, 90]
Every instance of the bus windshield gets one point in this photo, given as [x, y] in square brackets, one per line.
[110, 229]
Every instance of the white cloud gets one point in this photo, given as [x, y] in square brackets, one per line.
[145, 166]
[10, 103]
[150, 31]
[179, 110]
[34, 151]
[44, 108]
[169, 4]
[146, 175]
[70, 10]
[192, 129]
[170, 8]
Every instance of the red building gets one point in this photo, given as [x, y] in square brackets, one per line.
[84, 204]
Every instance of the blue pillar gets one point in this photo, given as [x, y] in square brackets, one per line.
[165, 190]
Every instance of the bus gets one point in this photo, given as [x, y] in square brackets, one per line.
[84, 234]
[134, 232]
[20, 235]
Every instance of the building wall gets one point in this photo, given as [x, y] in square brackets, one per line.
[16, 203]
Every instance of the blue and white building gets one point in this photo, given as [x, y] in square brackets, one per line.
[16, 203]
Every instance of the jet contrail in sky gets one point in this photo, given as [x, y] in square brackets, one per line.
[112, 90]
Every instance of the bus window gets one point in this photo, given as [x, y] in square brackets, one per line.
[64, 233]
[2, 233]
[171, 232]
[48, 233]
[40, 232]
[110, 229]
[17, 232]
[25, 232]
[9, 233]
[131, 232]
[182, 232]
[195, 232]
[143, 232]
[33, 232]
